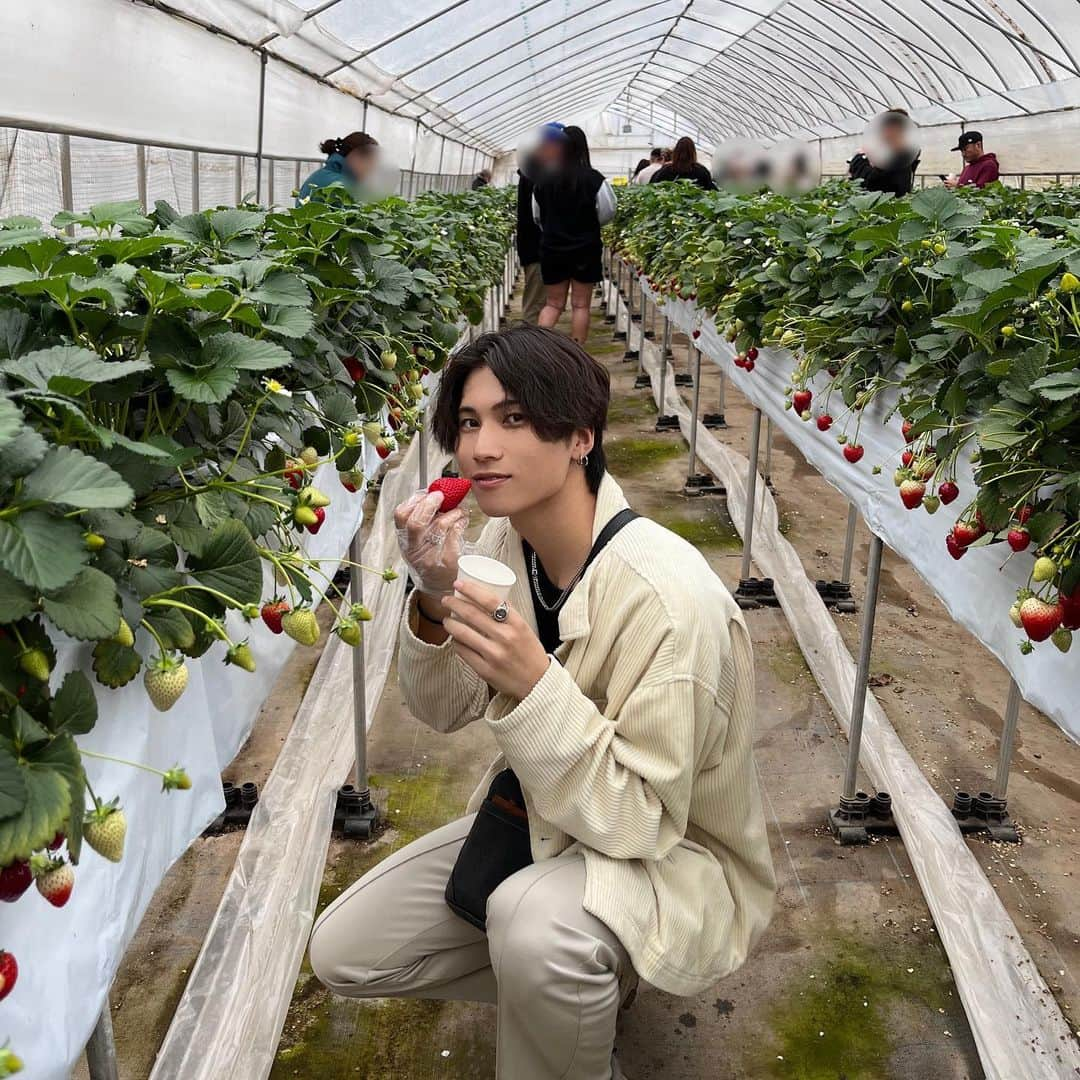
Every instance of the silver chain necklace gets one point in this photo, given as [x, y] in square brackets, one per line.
[535, 575]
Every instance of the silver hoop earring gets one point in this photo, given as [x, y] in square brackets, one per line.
[583, 460]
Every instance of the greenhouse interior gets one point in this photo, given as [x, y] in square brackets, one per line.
[687, 391]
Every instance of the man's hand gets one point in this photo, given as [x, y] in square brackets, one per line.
[507, 655]
[952, 183]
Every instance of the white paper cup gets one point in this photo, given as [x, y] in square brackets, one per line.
[490, 573]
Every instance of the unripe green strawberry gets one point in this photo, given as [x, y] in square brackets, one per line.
[241, 656]
[415, 391]
[104, 829]
[388, 359]
[301, 626]
[1045, 569]
[361, 612]
[312, 496]
[372, 431]
[349, 632]
[931, 504]
[1014, 615]
[305, 516]
[1062, 638]
[389, 575]
[36, 664]
[176, 780]
[309, 456]
[93, 541]
[123, 635]
[1070, 283]
[165, 680]
[10, 1062]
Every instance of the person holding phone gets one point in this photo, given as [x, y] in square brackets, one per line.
[618, 681]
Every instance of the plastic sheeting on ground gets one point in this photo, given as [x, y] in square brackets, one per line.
[977, 590]
[1018, 1027]
[69, 956]
[229, 1019]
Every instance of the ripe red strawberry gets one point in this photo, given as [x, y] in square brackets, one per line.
[740, 360]
[355, 368]
[965, 533]
[824, 422]
[55, 879]
[320, 517]
[748, 364]
[294, 474]
[15, 879]
[9, 973]
[57, 842]
[1040, 618]
[271, 614]
[752, 353]
[348, 481]
[911, 493]
[801, 400]
[906, 458]
[696, 334]
[1019, 539]
[853, 452]
[1070, 610]
[955, 550]
[948, 491]
[1025, 515]
[906, 429]
[382, 448]
[453, 488]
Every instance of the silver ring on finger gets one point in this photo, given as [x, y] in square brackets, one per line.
[502, 612]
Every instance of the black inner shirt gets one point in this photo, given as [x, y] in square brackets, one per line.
[547, 622]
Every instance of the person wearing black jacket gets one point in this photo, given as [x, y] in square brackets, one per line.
[898, 158]
[570, 204]
[545, 157]
[684, 166]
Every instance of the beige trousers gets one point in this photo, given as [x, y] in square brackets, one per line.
[556, 973]
[533, 295]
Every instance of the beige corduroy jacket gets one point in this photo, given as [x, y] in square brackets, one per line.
[634, 748]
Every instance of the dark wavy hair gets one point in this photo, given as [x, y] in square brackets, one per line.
[357, 140]
[684, 156]
[559, 386]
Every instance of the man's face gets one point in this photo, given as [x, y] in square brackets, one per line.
[511, 468]
[549, 153]
[972, 152]
[894, 136]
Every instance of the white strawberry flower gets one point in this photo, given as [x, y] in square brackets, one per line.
[274, 387]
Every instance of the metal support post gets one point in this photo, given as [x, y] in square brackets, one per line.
[196, 201]
[698, 483]
[238, 166]
[140, 175]
[752, 592]
[296, 179]
[714, 420]
[262, 113]
[270, 196]
[355, 814]
[67, 197]
[665, 422]
[858, 815]
[612, 293]
[101, 1049]
[631, 317]
[620, 335]
[768, 453]
[837, 594]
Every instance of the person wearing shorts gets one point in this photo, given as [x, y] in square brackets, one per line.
[570, 204]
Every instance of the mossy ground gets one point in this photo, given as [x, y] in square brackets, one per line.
[635, 455]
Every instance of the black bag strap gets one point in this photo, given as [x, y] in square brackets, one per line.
[623, 517]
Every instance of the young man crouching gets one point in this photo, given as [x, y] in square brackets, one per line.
[622, 700]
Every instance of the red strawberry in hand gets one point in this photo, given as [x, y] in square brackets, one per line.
[1040, 619]
[9, 973]
[853, 452]
[271, 613]
[453, 488]
[15, 879]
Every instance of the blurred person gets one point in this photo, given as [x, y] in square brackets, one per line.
[642, 164]
[350, 163]
[668, 152]
[890, 161]
[620, 693]
[481, 180]
[539, 157]
[684, 165]
[652, 166]
[570, 203]
[980, 168]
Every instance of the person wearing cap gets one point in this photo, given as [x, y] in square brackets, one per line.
[540, 161]
[980, 168]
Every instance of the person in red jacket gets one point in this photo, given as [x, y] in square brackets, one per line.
[980, 168]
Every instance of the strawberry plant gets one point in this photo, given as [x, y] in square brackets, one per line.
[958, 310]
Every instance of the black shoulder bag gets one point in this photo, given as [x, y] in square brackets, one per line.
[498, 842]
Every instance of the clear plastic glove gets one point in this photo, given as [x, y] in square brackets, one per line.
[431, 543]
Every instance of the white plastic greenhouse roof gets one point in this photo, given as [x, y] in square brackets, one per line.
[481, 73]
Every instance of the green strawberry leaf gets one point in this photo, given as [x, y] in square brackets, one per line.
[289, 322]
[205, 386]
[16, 599]
[172, 626]
[44, 812]
[231, 564]
[236, 351]
[12, 783]
[87, 608]
[40, 550]
[11, 420]
[115, 665]
[69, 369]
[72, 478]
[74, 708]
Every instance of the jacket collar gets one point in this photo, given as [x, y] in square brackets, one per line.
[336, 163]
[574, 616]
